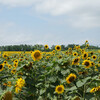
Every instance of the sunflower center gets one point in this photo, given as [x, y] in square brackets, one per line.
[84, 55]
[59, 89]
[37, 54]
[71, 79]
[1, 66]
[58, 48]
[5, 62]
[76, 60]
[60, 57]
[75, 54]
[94, 57]
[5, 56]
[87, 63]
[14, 70]
[91, 53]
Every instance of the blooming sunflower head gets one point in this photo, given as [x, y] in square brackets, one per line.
[5, 62]
[93, 90]
[86, 41]
[9, 66]
[85, 55]
[59, 89]
[76, 61]
[94, 57]
[58, 47]
[88, 58]
[87, 63]
[13, 71]
[66, 52]
[91, 53]
[82, 51]
[75, 54]
[92, 63]
[46, 46]
[1, 67]
[60, 56]
[87, 45]
[20, 82]
[4, 55]
[71, 77]
[99, 62]
[36, 55]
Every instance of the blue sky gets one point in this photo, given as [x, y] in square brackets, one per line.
[49, 22]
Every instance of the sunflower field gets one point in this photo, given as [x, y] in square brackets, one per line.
[73, 74]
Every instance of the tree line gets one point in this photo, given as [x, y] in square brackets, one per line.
[40, 47]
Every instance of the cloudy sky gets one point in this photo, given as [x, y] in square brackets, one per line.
[49, 22]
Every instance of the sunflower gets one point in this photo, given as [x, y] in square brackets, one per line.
[87, 63]
[58, 47]
[88, 58]
[78, 47]
[86, 41]
[85, 55]
[76, 61]
[9, 66]
[75, 54]
[66, 52]
[70, 78]
[20, 82]
[82, 51]
[47, 57]
[93, 90]
[87, 45]
[36, 55]
[13, 71]
[16, 61]
[60, 56]
[9, 84]
[17, 89]
[15, 65]
[91, 52]
[69, 49]
[92, 63]
[1, 67]
[83, 73]
[5, 62]
[59, 89]
[46, 46]
[53, 51]
[7, 96]
[94, 57]
[4, 55]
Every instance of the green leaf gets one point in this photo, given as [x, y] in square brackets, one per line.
[57, 68]
[64, 72]
[72, 88]
[52, 79]
[42, 91]
[82, 82]
[38, 84]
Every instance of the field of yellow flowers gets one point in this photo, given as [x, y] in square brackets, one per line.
[73, 74]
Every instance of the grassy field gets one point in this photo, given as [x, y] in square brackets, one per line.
[73, 74]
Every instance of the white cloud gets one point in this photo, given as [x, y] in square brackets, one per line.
[17, 3]
[9, 35]
[79, 13]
